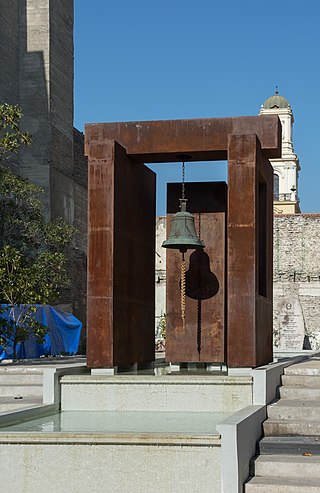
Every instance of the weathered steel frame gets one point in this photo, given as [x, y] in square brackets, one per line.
[115, 148]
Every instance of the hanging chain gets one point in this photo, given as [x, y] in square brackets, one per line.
[183, 264]
[183, 290]
[183, 174]
[199, 301]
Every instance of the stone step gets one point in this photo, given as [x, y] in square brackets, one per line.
[309, 367]
[307, 410]
[301, 380]
[21, 378]
[304, 393]
[292, 466]
[282, 485]
[21, 370]
[24, 390]
[290, 427]
[11, 404]
[296, 445]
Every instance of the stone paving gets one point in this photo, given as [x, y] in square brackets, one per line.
[21, 381]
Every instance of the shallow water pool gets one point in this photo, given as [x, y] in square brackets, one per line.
[199, 423]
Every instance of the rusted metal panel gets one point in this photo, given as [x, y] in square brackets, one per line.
[121, 267]
[100, 255]
[134, 261]
[249, 275]
[202, 339]
[203, 139]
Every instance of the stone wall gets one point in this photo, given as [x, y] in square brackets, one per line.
[9, 50]
[76, 294]
[80, 180]
[297, 274]
[296, 279]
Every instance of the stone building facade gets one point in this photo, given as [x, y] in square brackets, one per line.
[297, 280]
[36, 67]
[160, 289]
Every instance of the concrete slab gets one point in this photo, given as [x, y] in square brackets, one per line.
[289, 445]
[298, 409]
[308, 367]
[288, 427]
[301, 380]
[282, 485]
[16, 378]
[11, 403]
[20, 390]
[288, 466]
[298, 392]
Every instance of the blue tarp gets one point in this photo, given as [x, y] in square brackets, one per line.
[63, 336]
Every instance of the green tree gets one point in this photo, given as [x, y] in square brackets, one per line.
[11, 137]
[32, 251]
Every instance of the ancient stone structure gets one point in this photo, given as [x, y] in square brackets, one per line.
[36, 66]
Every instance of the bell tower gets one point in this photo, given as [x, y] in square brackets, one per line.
[286, 169]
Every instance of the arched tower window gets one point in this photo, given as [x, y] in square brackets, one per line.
[275, 186]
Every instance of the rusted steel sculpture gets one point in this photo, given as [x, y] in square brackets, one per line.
[121, 236]
[202, 339]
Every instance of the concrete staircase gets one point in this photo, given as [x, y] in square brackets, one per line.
[20, 387]
[289, 453]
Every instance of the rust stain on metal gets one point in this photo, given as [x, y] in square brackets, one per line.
[204, 139]
[203, 337]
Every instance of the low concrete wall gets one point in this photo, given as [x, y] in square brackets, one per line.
[267, 380]
[239, 434]
[97, 464]
[149, 393]
[51, 382]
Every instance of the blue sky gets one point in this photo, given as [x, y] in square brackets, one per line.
[172, 59]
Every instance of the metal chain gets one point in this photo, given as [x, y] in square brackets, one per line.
[183, 264]
[183, 174]
[183, 291]
[199, 301]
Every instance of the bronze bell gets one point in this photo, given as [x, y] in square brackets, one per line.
[183, 234]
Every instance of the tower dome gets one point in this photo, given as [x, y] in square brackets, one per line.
[276, 101]
[286, 168]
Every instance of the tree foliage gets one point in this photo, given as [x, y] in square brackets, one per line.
[11, 137]
[32, 251]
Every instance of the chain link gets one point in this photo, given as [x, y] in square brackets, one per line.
[183, 175]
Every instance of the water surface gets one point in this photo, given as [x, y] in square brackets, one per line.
[199, 423]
